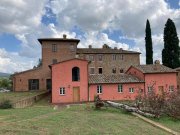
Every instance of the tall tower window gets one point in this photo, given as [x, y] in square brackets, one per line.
[75, 74]
[54, 48]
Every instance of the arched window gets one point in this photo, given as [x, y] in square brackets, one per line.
[75, 74]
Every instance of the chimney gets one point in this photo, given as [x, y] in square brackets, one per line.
[64, 36]
[120, 49]
[90, 46]
[157, 62]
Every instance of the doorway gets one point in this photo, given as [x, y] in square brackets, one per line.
[76, 94]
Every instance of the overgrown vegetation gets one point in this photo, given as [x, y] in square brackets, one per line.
[5, 83]
[98, 102]
[160, 103]
[5, 104]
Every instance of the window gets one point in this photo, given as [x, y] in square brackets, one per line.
[114, 70]
[171, 88]
[54, 61]
[114, 57]
[120, 88]
[121, 57]
[92, 70]
[62, 91]
[33, 84]
[91, 58]
[99, 89]
[100, 57]
[121, 70]
[72, 48]
[87, 57]
[54, 48]
[100, 70]
[75, 74]
[131, 90]
[150, 89]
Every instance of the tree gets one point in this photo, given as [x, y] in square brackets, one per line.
[148, 44]
[171, 51]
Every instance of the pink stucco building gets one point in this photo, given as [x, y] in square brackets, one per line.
[71, 82]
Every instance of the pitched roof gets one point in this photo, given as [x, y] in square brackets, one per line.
[154, 68]
[121, 78]
[104, 50]
[177, 69]
[59, 39]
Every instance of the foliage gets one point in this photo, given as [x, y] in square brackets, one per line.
[5, 83]
[6, 104]
[148, 44]
[171, 51]
[98, 102]
[173, 105]
[160, 104]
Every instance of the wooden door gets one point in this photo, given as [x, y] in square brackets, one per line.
[76, 94]
[161, 90]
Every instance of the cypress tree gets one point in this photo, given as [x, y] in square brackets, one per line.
[148, 44]
[171, 51]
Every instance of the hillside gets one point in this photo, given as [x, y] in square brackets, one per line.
[4, 74]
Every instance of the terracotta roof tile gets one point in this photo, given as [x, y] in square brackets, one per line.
[154, 68]
[103, 50]
[121, 78]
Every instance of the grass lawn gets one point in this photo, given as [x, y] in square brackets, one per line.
[15, 96]
[76, 120]
[170, 123]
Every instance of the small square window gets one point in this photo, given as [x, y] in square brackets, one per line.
[120, 88]
[114, 70]
[99, 89]
[171, 88]
[62, 91]
[150, 89]
[131, 90]
[121, 70]
[92, 70]
[100, 70]
[54, 61]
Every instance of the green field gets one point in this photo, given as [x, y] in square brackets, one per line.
[15, 96]
[76, 120]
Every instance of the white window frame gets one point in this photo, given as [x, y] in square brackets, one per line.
[90, 70]
[62, 91]
[99, 89]
[120, 88]
[171, 88]
[150, 89]
[131, 90]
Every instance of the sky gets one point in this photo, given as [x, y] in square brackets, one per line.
[118, 23]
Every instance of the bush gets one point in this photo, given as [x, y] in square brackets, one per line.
[173, 105]
[6, 104]
[98, 102]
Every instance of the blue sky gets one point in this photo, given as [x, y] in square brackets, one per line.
[118, 23]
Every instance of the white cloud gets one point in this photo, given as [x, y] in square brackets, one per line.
[23, 19]
[11, 62]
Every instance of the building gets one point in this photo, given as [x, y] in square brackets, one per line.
[178, 77]
[78, 74]
[104, 60]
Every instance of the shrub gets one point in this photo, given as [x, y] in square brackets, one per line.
[98, 102]
[6, 104]
[173, 105]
